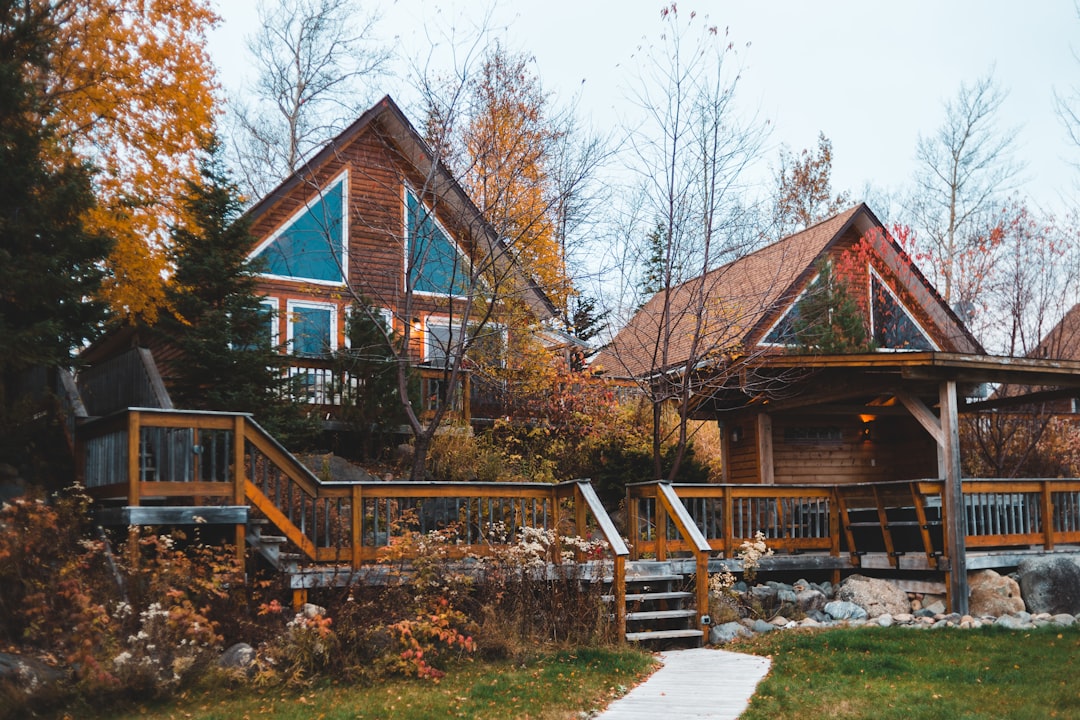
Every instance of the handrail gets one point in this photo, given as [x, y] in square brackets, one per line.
[587, 494]
[676, 511]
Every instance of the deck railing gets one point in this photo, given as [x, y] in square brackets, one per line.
[181, 457]
[897, 519]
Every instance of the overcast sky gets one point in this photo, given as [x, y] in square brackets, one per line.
[870, 75]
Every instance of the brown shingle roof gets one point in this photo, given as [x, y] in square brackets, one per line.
[734, 304]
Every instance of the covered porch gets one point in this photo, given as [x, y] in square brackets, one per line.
[889, 423]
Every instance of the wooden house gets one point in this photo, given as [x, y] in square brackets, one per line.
[754, 379]
[375, 218]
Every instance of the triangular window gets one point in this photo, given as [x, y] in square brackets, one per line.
[311, 245]
[436, 266]
[783, 332]
[894, 327]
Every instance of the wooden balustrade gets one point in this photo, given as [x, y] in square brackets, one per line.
[207, 458]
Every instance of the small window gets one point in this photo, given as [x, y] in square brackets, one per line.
[813, 435]
[894, 328]
[312, 328]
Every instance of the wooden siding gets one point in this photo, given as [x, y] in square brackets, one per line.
[897, 449]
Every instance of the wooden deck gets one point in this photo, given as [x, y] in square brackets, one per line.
[177, 467]
[697, 683]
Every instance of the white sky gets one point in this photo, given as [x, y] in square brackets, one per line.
[870, 75]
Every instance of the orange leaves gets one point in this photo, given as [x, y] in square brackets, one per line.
[132, 87]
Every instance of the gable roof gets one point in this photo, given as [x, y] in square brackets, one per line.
[1063, 341]
[387, 119]
[734, 306]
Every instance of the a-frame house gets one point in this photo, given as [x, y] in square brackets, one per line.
[376, 217]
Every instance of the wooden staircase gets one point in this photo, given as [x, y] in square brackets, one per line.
[658, 607]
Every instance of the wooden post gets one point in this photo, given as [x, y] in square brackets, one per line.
[357, 512]
[660, 523]
[1047, 515]
[953, 500]
[701, 586]
[239, 486]
[765, 448]
[133, 461]
[619, 581]
[633, 525]
[729, 524]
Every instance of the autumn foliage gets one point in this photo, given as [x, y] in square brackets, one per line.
[133, 89]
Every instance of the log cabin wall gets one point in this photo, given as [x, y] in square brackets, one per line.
[832, 449]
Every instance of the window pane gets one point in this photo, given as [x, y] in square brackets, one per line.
[311, 330]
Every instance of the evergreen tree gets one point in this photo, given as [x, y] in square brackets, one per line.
[218, 321]
[372, 404]
[654, 275]
[827, 319]
[50, 265]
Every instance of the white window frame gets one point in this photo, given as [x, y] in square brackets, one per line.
[275, 325]
[292, 305]
[406, 191]
[450, 324]
[384, 313]
[914, 321]
[309, 203]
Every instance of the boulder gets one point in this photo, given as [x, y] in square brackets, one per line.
[239, 657]
[26, 673]
[874, 595]
[993, 594]
[843, 610]
[810, 599]
[726, 632]
[1050, 584]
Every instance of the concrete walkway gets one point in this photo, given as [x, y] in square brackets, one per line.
[698, 683]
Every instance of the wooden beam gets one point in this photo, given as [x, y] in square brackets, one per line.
[924, 415]
[765, 448]
[953, 500]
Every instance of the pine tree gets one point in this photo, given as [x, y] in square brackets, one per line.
[218, 321]
[827, 319]
[50, 265]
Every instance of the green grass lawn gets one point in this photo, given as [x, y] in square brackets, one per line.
[552, 686]
[914, 674]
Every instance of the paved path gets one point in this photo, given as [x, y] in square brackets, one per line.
[698, 683]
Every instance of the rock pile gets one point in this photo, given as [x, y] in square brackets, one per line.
[1035, 600]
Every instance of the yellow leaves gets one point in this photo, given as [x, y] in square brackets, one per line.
[133, 89]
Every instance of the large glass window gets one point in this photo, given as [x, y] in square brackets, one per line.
[894, 328]
[312, 244]
[435, 264]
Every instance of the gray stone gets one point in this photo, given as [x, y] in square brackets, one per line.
[884, 620]
[27, 674]
[935, 608]
[1050, 584]
[726, 632]
[904, 618]
[760, 626]
[810, 599]
[762, 593]
[993, 594]
[240, 656]
[1012, 622]
[843, 610]
[818, 615]
[1064, 619]
[787, 596]
[874, 595]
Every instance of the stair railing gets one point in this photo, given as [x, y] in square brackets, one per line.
[675, 512]
[586, 499]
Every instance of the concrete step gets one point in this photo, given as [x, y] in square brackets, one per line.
[660, 614]
[646, 597]
[662, 635]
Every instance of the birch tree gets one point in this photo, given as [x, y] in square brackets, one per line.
[964, 169]
[690, 151]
